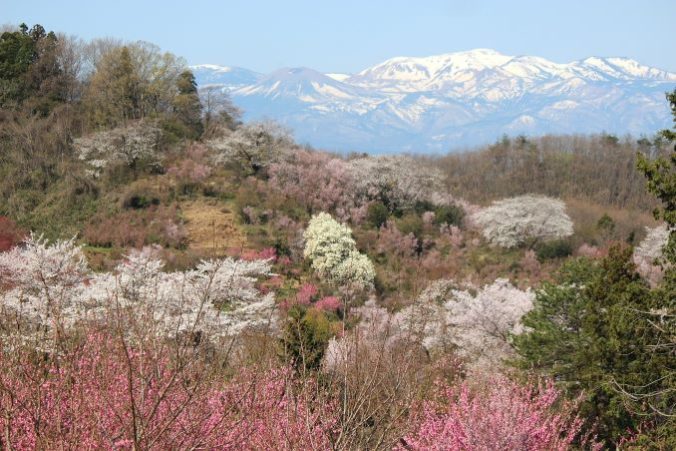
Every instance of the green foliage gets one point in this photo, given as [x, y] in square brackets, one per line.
[449, 214]
[377, 214]
[187, 106]
[411, 223]
[554, 249]
[306, 336]
[590, 333]
[661, 176]
[657, 393]
[606, 224]
[30, 66]
[421, 206]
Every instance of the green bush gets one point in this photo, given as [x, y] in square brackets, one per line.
[422, 206]
[449, 214]
[377, 214]
[410, 223]
[554, 249]
[306, 336]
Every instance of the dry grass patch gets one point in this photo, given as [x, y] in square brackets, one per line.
[212, 228]
[586, 217]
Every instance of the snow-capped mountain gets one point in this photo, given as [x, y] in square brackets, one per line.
[446, 102]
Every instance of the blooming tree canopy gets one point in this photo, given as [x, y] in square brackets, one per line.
[524, 220]
[51, 288]
[334, 253]
[499, 416]
[252, 146]
[128, 145]
[397, 181]
[476, 321]
[649, 252]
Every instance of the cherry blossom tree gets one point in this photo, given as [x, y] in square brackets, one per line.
[397, 181]
[648, 254]
[130, 144]
[252, 146]
[52, 289]
[476, 322]
[317, 180]
[524, 220]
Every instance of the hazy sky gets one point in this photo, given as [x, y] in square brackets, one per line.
[350, 35]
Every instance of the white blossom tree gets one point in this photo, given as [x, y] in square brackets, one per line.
[130, 144]
[334, 255]
[648, 254]
[397, 181]
[252, 146]
[524, 220]
[474, 323]
[52, 289]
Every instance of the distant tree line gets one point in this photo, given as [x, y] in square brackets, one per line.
[599, 168]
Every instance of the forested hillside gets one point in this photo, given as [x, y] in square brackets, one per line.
[174, 278]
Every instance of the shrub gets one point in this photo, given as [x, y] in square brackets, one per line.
[377, 214]
[306, 335]
[554, 249]
[141, 194]
[136, 228]
[449, 214]
[606, 224]
[411, 224]
[10, 234]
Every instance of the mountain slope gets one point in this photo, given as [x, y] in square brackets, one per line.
[450, 101]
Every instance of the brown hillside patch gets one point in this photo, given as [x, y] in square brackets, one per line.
[212, 228]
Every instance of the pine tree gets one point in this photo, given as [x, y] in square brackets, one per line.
[187, 106]
[658, 396]
[587, 334]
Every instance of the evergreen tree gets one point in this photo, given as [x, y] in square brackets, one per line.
[603, 333]
[658, 396]
[29, 67]
[586, 332]
[187, 106]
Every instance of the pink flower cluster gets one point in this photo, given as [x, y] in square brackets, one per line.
[108, 396]
[500, 415]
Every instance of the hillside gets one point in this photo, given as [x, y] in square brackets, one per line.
[174, 277]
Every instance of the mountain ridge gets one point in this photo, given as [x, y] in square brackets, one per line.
[450, 101]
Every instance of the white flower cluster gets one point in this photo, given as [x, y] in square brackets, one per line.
[52, 287]
[524, 220]
[334, 253]
[128, 144]
[253, 146]
[474, 323]
[648, 254]
[398, 181]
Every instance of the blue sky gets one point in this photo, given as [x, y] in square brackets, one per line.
[348, 35]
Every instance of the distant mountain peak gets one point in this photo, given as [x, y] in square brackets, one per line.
[436, 103]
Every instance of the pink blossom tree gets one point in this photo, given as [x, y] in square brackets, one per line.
[499, 415]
